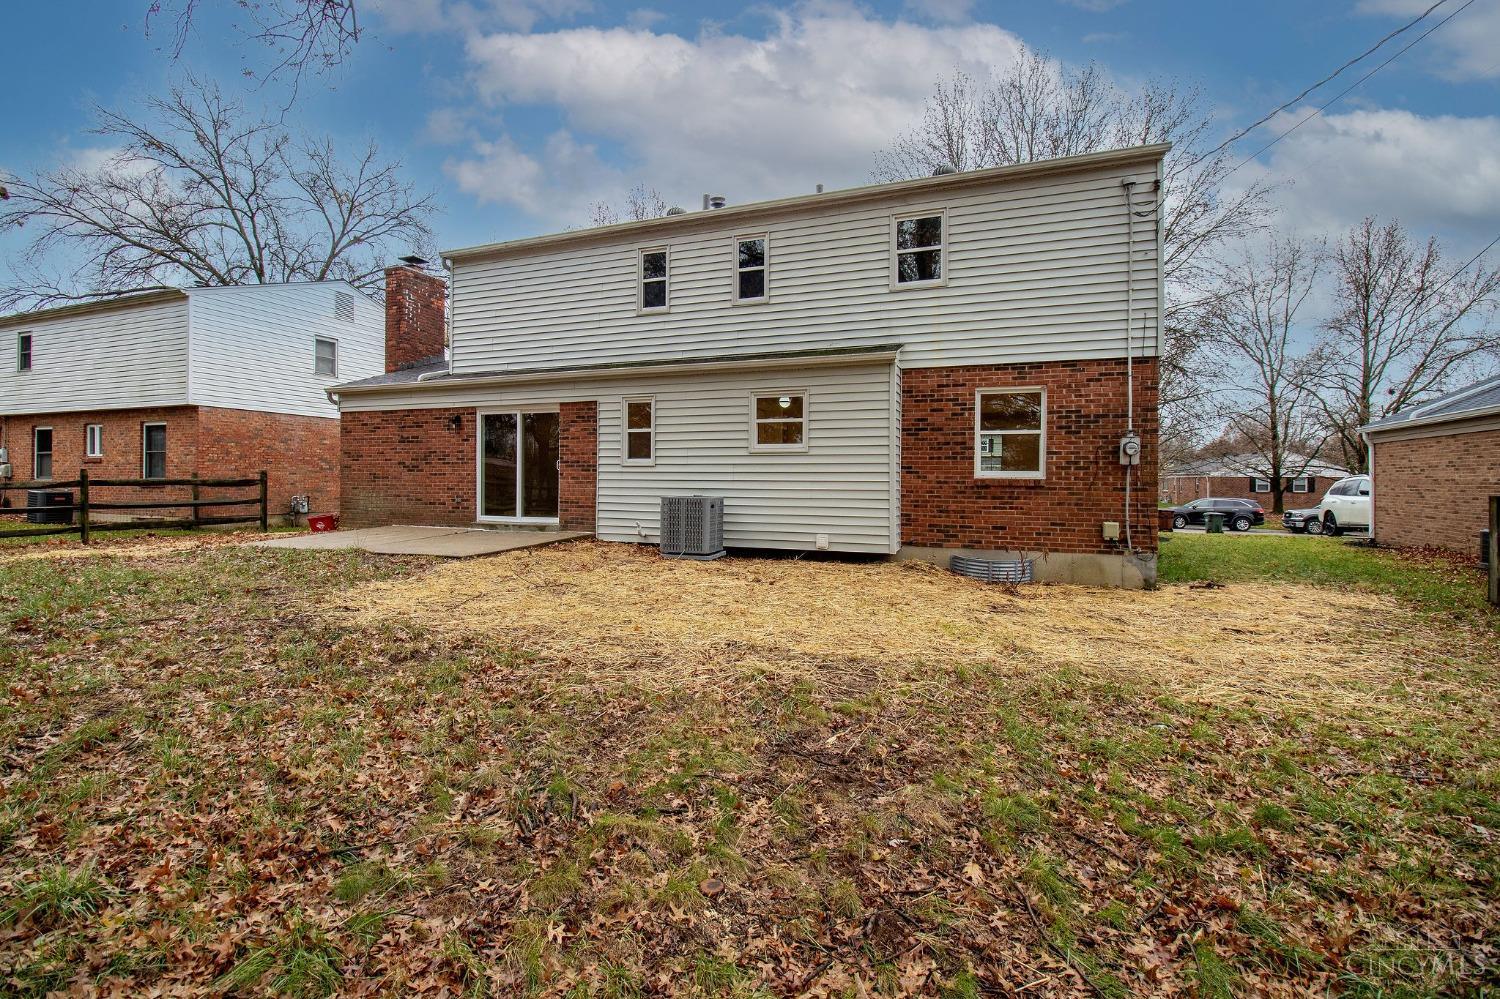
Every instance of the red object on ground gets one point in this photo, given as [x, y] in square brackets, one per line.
[323, 522]
[1164, 520]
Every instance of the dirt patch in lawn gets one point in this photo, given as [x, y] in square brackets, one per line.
[626, 612]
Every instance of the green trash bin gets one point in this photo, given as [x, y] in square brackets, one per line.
[1214, 522]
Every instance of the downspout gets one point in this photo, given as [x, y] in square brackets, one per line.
[1370, 471]
[1129, 186]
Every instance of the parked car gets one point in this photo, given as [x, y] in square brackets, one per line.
[1346, 506]
[1239, 514]
[1308, 521]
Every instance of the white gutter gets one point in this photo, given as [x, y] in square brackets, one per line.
[1428, 421]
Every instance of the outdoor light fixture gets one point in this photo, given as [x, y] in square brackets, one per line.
[456, 421]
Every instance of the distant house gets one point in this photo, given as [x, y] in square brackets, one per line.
[1434, 468]
[212, 382]
[951, 363]
[1243, 476]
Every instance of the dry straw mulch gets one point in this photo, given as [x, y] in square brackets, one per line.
[622, 613]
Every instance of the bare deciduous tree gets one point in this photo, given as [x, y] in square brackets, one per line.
[204, 194]
[1038, 109]
[1252, 325]
[1406, 324]
[640, 204]
[299, 33]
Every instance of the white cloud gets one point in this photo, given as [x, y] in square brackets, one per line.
[644, 17]
[940, 11]
[561, 181]
[427, 16]
[752, 117]
[1439, 175]
[1470, 43]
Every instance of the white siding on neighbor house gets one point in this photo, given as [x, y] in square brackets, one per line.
[843, 485]
[1036, 271]
[114, 358]
[252, 346]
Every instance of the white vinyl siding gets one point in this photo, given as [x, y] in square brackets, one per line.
[256, 347]
[1035, 271]
[114, 358]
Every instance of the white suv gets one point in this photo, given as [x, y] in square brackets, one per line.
[1346, 506]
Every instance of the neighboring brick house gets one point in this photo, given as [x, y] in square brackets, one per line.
[916, 368]
[205, 382]
[1243, 476]
[1434, 468]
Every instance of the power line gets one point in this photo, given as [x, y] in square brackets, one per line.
[1466, 266]
[1347, 90]
[1275, 111]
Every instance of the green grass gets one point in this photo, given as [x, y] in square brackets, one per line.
[1188, 558]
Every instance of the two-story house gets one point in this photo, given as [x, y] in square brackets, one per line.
[922, 367]
[206, 382]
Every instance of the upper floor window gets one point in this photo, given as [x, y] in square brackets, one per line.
[325, 356]
[1010, 431]
[918, 253]
[653, 280]
[640, 431]
[750, 269]
[778, 421]
[93, 440]
[154, 451]
[23, 352]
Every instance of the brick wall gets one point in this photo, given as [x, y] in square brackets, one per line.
[122, 458]
[407, 466]
[299, 453]
[415, 310]
[944, 505]
[1179, 489]
[579, 432]
[1434, 491]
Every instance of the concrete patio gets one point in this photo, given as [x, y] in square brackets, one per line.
[447, 542]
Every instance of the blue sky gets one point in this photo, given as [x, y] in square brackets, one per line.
[521, 113]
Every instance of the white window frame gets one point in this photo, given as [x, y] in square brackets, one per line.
[29, 353]
[806, 420]
[335, 343]
[93, 440]
[942, 247]
[737, 270]
[145, 460]
[1041, 471]
[1307, 483]
[51, 456]
[625, 431]
[518, 412]
[640, 282]
[1259, 485]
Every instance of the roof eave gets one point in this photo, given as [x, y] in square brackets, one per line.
[1430, 421]
[1014, 171]
[96, 305]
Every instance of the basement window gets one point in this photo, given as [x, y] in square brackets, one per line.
[153, 450]
[653, 280]
[93, 440]
[750, 273]
[23, 352]
[640, 431]
[917, 256]
[325, 356]
[778, 421]
[1010, 433]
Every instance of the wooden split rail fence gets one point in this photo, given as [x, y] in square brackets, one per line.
[86, 501]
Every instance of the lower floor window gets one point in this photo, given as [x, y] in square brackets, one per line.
[1260, 485]
[41, 453]
[1302, 484]
[154, 451]
[1010, 433]
[779, 421]
[93, 440]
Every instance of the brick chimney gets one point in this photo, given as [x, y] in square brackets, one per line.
[415, 309]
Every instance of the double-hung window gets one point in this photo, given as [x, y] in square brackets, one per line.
[41, 453]
[778, 421]
[1260, 485]
[1302, 484]
[654, 280]
[751, 269]
[640, 431]
[1010, 433]
[154, 451]
[93, 440]
[23, 352]
[325, 356]
[917, 257]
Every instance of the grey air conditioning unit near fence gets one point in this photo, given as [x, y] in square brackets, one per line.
[692, 527]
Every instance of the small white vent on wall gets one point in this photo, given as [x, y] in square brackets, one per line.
[343, 306]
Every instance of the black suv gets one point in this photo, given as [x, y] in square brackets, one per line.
[1239, 514]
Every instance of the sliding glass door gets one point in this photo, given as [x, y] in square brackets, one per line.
[518, 465]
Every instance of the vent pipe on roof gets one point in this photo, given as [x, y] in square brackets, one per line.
[713, 201]
[944, 169]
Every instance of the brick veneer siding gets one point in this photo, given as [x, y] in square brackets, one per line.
[1179, 489]
[299, 453]
[943, 505]
[1434, 491]
[579, 431]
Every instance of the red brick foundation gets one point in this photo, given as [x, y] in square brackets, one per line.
[943, 505]
[1434, 491]
[579, 432]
